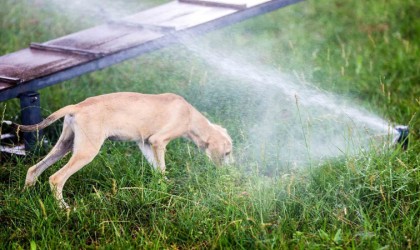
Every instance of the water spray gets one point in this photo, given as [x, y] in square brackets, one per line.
[330, 125]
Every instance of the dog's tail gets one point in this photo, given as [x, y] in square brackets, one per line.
[47, 121]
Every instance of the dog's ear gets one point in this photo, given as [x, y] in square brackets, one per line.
[212, 150]
[204, 145]
[214, 156]
[200, 143]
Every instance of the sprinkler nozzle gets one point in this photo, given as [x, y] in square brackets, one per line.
[403, 136]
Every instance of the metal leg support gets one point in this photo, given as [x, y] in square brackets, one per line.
[31, 114]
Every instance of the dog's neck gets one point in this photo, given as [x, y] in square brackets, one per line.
[200, 129]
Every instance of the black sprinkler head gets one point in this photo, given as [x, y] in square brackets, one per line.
[403, 136]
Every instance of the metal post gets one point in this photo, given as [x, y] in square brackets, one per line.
[30, 114]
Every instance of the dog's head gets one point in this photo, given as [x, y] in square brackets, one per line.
[219, 146]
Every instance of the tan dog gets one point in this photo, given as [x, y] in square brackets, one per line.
[152, 121]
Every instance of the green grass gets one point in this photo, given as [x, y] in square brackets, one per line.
[365, 50]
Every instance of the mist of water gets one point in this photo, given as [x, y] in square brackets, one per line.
[298, 124]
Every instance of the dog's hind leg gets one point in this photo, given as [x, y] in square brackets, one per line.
[61, 148]
[86, 147]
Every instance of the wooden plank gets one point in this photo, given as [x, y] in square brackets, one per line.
[220, 4]
[106, 38]
[8, 79]
[160, 29]
[179, 15]
[5, 85]
[68, 50]
[28, 64]
[236, 4]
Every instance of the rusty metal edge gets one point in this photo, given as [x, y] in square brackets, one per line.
[117, 57]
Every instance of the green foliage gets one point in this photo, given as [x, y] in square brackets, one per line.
[367, 50]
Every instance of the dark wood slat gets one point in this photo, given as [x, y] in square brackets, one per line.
[5, 85]
[179, 15]
[161, 29]
[106, 38]
[219, 4]
[29, 64]
[68, 50]
[8, 79]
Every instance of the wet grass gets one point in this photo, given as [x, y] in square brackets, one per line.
[367, 51]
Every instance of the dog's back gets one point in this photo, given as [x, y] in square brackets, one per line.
[133, 115]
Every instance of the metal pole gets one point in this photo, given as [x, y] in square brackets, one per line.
[30, 114]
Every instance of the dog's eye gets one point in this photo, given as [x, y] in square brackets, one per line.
[228, 153]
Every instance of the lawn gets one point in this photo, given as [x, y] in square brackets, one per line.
[284, 191]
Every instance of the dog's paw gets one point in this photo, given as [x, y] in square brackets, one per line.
[63, 205]
[28, 185]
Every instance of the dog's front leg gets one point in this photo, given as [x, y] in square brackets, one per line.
[155, 155]
[159, 153]
[148, 153]
[158, 144]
